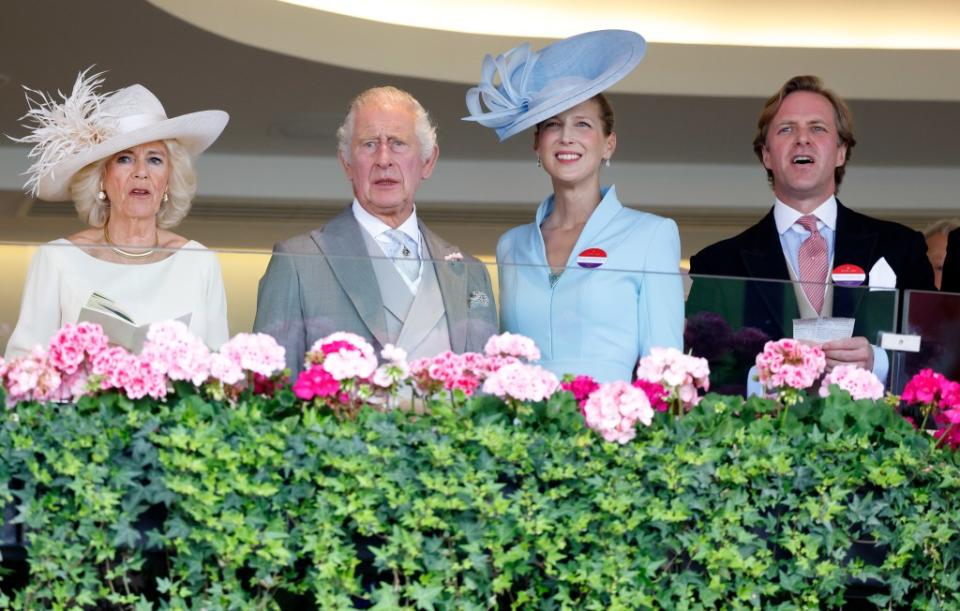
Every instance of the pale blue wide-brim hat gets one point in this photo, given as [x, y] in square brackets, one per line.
[536, 85]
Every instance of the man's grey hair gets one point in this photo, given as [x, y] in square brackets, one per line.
[425, 129]
[943, 226]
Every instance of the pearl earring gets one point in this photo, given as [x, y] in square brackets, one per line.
[101, 194]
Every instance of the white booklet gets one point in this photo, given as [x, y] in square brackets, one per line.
[822, 330]
[119, 326]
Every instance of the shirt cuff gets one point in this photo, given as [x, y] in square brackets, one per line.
[881, 364]
[754, 387]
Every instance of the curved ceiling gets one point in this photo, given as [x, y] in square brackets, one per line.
[921, 24]
[880, 51]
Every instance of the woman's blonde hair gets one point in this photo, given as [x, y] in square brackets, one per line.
[181, 187]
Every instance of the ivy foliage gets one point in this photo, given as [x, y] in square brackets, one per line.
[194, 504]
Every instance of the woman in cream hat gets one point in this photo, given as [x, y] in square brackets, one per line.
[129, 171]
[595, 284]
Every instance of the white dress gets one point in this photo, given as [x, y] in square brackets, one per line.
[62, 277]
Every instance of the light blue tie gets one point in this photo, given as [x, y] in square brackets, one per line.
[403, 251]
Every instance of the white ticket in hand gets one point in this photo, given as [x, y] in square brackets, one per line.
[820, 330]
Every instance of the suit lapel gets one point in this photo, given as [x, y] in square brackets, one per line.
[851, 245]
[452, 278]
[763, 258]
[341, 241]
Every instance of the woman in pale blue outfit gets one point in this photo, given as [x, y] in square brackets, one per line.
[595, 284]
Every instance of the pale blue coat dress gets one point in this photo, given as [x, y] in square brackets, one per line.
[598, 321]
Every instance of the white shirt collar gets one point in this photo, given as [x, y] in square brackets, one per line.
[375, 226]
[786, 217]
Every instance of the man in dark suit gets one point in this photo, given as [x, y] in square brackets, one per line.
[951, 264]
[376, 270]
[804, 139]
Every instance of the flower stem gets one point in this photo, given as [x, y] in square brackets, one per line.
[927, 409]
[945, 435]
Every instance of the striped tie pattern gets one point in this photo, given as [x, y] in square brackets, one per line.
[813, 263]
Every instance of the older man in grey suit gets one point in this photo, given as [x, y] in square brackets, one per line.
[374, 269]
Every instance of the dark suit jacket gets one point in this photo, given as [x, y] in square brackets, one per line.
[323, 281]
[770, 307]
[950, 281]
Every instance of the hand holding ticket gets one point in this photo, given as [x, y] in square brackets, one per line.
[820, 330]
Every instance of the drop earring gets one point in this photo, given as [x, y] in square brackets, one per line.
[101, 194]
[606, 162]
[539, 165]
[165, 197]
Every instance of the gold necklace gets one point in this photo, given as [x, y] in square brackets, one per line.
[127, 253]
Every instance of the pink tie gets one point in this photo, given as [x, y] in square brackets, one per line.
[813, 262]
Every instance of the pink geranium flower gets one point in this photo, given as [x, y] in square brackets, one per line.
[112, 366]
[177, 353]
[512, 345]
[256, 352]
[788, 363]
[81, 361]
[394, 371]
[338, 372]
[73, 344]
[681, 376]
[449, 371]
[343, 355]
[860, 383]
[614, 409]
[521, 382]
[31, 378]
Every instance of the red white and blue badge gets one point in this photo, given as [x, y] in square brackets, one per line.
[592, 258]
[848, 274]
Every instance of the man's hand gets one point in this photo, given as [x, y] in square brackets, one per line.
[851, 351]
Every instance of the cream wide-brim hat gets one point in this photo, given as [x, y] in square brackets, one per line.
[87, 127]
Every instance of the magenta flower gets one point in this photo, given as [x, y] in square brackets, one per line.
[315, 382]
[656, 394]
[925, 387]
[581, 387]
[939, 398]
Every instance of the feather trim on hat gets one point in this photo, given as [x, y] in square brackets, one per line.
[63, 129]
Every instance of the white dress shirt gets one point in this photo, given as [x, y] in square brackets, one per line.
[377, 228]
[791, 236]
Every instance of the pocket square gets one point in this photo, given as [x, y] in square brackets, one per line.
[478, 299]
[882, 275]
